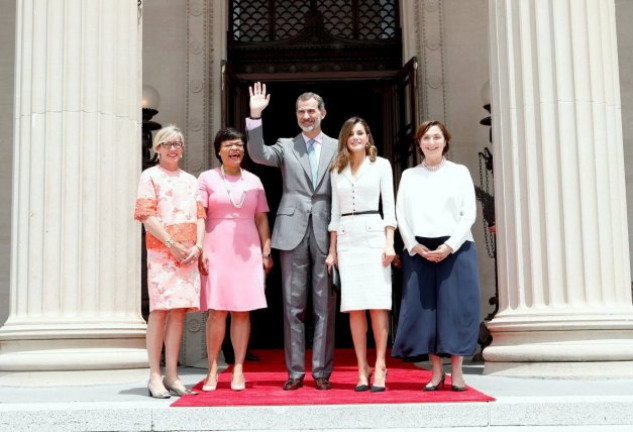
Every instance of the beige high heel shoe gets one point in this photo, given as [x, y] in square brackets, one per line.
[211, 387]
[157, 391]
[237, 386]
[177, 388]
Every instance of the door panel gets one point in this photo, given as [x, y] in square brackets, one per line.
[402, 102]
[386, 99]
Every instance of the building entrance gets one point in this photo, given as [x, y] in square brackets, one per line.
[352, 58]
[380, 100]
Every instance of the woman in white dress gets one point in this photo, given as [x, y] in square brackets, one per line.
[361, 243]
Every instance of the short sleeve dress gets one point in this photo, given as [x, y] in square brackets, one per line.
[236, 277]
[171, 196]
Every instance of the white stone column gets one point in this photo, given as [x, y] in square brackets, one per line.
[564, 278]
[75, 255]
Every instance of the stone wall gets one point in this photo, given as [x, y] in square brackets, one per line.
[453, 39]
[165, 57]
[465, 71]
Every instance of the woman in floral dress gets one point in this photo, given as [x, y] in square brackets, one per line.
[169, 206]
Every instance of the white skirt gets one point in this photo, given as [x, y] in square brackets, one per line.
[365, 283]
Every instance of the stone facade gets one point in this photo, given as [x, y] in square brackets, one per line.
[184, 44]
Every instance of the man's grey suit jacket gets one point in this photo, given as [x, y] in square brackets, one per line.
[300, 199]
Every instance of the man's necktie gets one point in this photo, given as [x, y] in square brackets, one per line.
[314, 166]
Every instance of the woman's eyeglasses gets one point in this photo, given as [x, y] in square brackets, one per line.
[172, 144]
[236, 145]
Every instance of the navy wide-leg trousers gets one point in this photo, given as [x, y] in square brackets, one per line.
[440, 307]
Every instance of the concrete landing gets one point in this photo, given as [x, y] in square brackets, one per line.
[522, 405]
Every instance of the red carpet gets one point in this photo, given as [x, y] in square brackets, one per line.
[265, 378]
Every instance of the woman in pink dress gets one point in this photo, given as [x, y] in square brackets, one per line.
[169, 206]
[236, 253]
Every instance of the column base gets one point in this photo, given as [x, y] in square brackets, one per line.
[565, 348]
[72, 346]
[59, 345]
[73, 378]
[72, 354]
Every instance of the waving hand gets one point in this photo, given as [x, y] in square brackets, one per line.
[259, 99]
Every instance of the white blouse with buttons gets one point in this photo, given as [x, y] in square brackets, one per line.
[374, 181]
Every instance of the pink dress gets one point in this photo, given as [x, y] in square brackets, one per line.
[173, 198]
[236, 273]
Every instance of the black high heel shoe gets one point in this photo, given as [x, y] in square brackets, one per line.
[431, 387]
[457, 388]
[364, 387]
[376, 389]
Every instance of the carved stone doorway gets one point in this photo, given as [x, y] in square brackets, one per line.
[349, 52]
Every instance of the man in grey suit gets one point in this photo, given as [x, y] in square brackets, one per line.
[300, 231]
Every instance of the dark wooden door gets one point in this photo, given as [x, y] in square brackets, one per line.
[401, 102]
[386, 99]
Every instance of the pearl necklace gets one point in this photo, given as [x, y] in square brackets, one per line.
[228, 191]
[434, 167]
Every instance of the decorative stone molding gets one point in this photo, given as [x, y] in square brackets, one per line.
[431, 5]
[197, 126]
[434, 92]
[219, 19]
[197, 85]
[422, 28]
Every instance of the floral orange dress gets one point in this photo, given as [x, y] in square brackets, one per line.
[171, 196]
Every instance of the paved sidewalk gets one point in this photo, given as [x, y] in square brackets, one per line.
[537, 405]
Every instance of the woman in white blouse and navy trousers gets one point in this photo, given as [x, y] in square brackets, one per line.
[361, 243]
[436, 209]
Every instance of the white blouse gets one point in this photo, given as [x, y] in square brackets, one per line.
[374, 181]
[436, 204]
